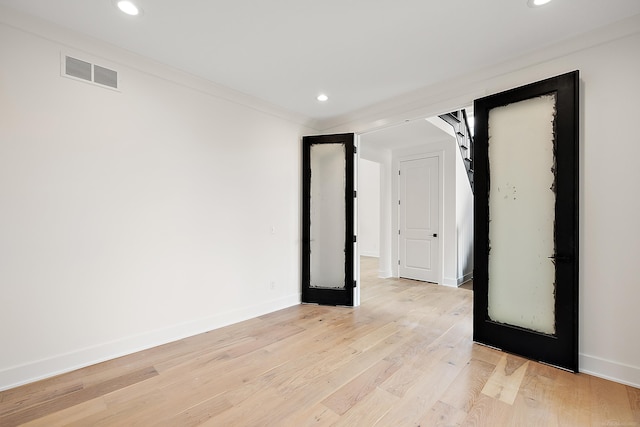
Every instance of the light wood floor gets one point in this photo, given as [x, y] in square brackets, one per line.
[404, 358]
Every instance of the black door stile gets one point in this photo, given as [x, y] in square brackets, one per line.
[561, 347]
[343, 295]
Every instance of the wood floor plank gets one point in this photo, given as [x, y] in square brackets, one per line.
[368, 411]
[464, 391]
[216, 348]
[138, 408]
[420, 398]
[316, 415]
[70, 415]
[634, 402]
[76, 398]
[265, 338]
[441, 349]
[533, 404]
[610, 402]
[504, 383]
[258, 410]
[374, 337]
[320, 383]
[571, 395]
[25, 397]
[405, 378]
[486, 354]
[357, 389]
[488, 412]
[199, 413]
[443, 415]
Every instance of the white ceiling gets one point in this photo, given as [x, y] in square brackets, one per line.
[410, 134]
[359, 52]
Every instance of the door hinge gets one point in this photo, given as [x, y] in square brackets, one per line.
[398, 172]
[355, 283]
[398, 232]
[398, 201]
[355, 149]
[398, 262]
[355, 239]
[355, 194]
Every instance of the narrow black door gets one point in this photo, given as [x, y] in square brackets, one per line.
[526, 221]
[328, 236]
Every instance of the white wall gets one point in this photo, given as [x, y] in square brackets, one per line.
[384, 160]
[369, 208]
[133, 218]
[609, 64]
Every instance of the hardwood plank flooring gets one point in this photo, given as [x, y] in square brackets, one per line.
[404, 358]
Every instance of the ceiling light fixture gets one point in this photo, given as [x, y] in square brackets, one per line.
[537, 3]
[322, 97]
[129, 7]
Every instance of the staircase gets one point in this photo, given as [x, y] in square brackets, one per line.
[458, 119]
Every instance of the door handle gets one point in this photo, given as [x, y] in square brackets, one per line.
[561, 258]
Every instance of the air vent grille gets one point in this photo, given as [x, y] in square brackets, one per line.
[105, 76]
[78, 68]
[92, 73]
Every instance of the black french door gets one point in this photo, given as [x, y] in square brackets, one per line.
[526, 221]
[328, 237]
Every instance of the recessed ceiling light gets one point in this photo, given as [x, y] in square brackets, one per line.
[322, 97]
[537, 3]
[129, 7]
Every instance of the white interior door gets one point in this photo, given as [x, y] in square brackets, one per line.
[419, 221]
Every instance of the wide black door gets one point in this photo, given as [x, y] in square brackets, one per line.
[526, 221]
[328, 236]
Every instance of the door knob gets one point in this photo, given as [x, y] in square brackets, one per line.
[435, 234]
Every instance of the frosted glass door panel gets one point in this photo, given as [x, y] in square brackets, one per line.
[328, 216]
[521, 287]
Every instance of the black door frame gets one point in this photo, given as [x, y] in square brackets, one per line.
[560, 349]
[327, 296]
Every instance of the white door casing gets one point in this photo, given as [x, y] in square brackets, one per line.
[419, 222]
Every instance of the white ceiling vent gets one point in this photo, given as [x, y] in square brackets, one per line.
[78, 69]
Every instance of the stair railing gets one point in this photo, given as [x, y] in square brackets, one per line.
[460, 123]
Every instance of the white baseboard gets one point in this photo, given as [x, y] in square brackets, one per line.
[371, 254]
[385, 274]
[37, 370]
[451, 282]
[610, 370]
[465, 278]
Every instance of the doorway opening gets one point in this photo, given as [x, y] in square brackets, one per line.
[447, 257]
